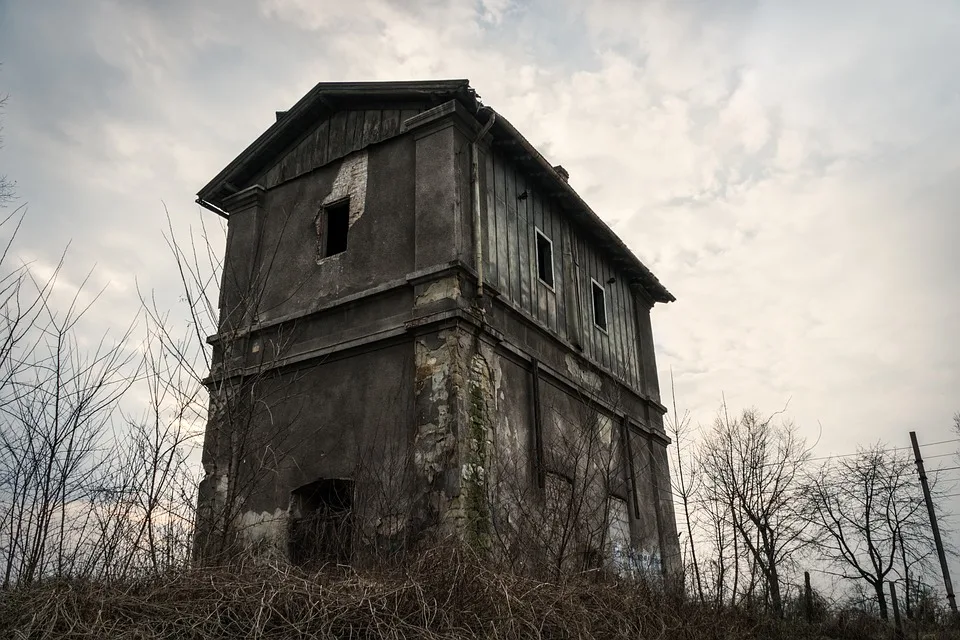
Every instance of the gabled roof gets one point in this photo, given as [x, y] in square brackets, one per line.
[323, 100]
[328, 97]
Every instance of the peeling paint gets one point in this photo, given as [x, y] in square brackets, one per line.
[351, 182]
[265, 532]
[581, 375]
[605, 427]
[440, 290]
[433, 447]
[474, 466]
[439, 381]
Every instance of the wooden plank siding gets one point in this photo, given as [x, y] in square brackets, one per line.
[332, 138]
[510, 265]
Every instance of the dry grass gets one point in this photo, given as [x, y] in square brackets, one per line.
[443, 594]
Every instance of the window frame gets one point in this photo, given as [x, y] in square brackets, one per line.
[593, 305]
[323, 227]
[553, 272]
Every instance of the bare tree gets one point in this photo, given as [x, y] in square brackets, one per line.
[237, 373]
[753, 469]
[870, 511]
[58, 401]
[7, 186]
[686, 480]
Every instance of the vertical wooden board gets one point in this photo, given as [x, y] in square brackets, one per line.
[489, 213]
[338, 131]
[354, 122]
[518, 234]
[320, 152]
[611, 314]
[292, 159]
[621, 321]
[500, 209]
[631, 330]
[523, 243]
[586, 317]
[522, 248]
[531, 268]
[371, 127]
[560, 279]
[310, 150]
[303, 153]
[617, 297]
[552, 222]
[493, 237]
[608, 351]
[583, 285]
[632, 336]
[568, 300]
[640, 347]
[390, 123]
[358, 133]
[287, 167]
[510, 219]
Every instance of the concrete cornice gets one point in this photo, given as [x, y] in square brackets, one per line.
[450, 112]
[249, 198]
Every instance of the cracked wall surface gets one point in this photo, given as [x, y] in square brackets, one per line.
[350, 182]
[439, 388]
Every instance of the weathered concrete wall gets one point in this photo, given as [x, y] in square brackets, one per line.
[347, 417]
[392, 376]
[380, 247]
[583, 451]
[439, 200]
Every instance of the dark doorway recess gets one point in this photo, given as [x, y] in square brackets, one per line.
[321, 526]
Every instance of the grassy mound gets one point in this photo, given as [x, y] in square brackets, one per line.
[442, 594]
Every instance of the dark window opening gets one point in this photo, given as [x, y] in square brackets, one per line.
[336, 225]
[599, 307]
[321, 524]
[544, 259]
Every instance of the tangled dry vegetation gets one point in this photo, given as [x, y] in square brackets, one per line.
[443, 594]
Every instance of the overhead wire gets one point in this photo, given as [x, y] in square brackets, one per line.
[851, 455]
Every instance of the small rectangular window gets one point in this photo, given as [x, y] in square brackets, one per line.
[334, 227]
[599, 306]
[544, 259]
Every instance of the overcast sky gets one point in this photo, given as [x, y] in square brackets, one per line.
[790, 170]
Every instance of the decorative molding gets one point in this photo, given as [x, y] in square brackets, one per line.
[451, 111]
[247, 199]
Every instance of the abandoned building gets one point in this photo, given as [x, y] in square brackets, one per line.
[425, 332]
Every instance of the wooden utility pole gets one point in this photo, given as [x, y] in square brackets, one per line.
[948, 585]
[897, 624]
[807, 596]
